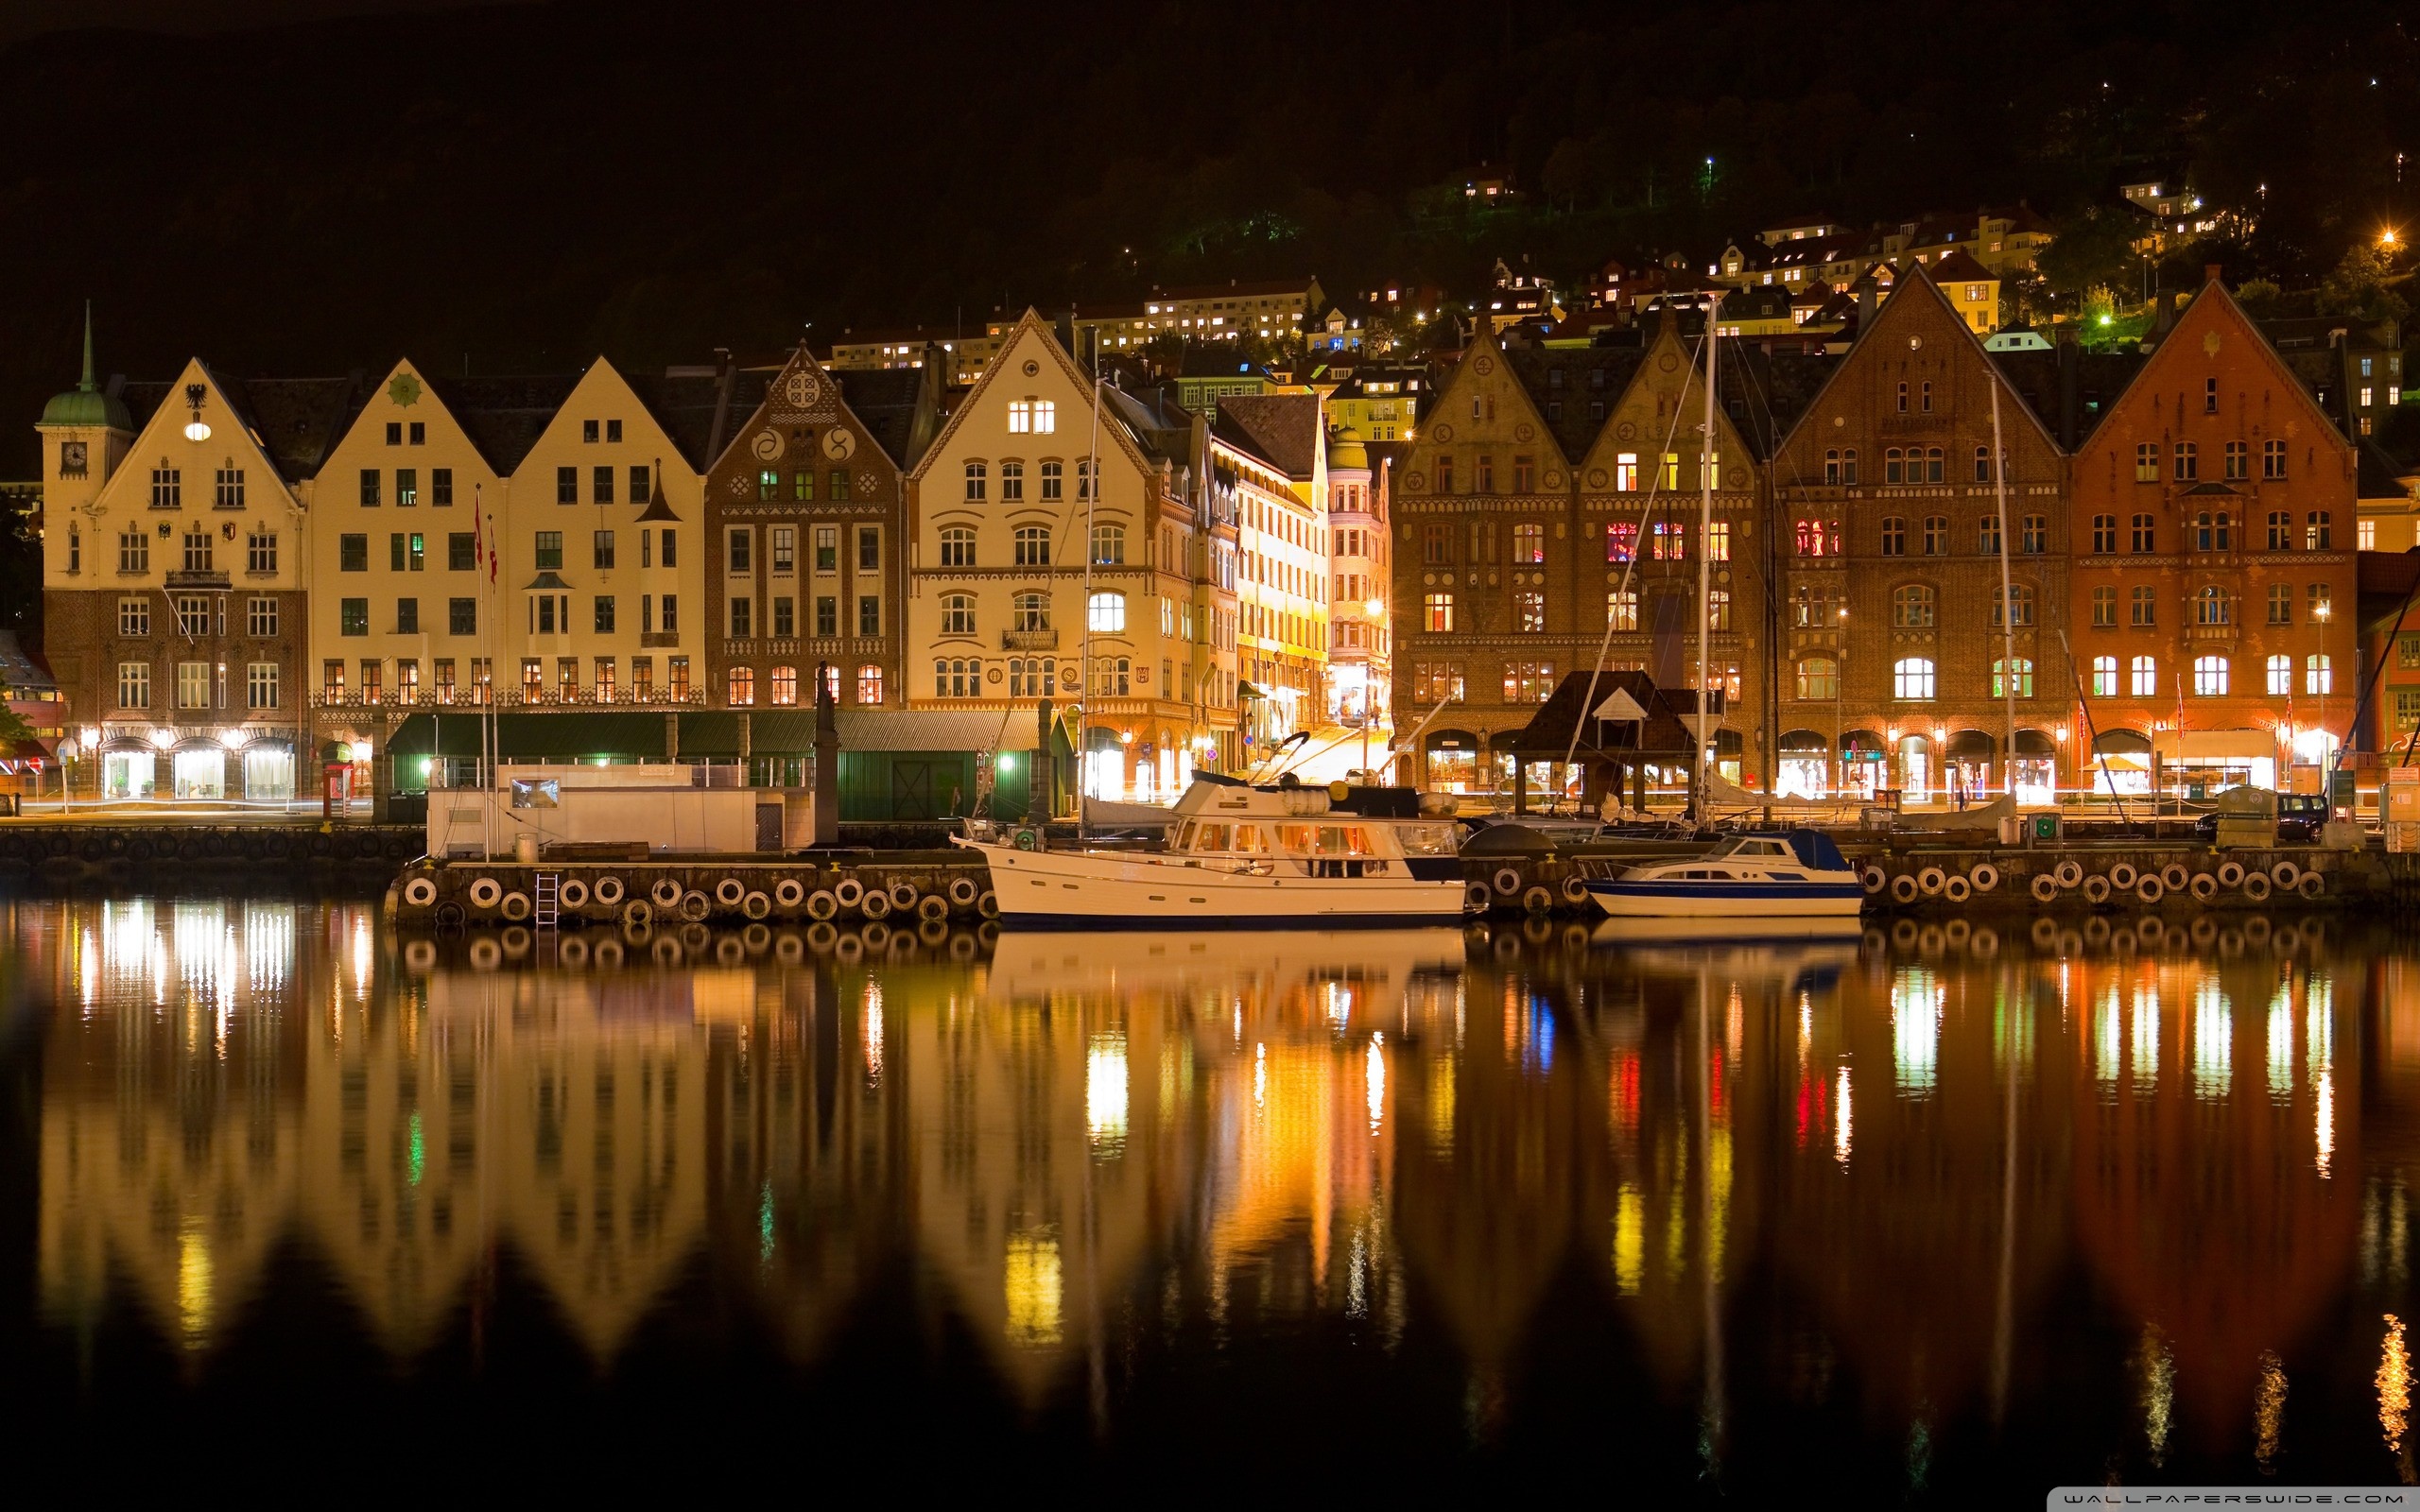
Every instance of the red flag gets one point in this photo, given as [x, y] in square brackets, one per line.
[479, 541]
[492, 554]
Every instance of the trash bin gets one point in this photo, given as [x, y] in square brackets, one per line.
[2046, 826]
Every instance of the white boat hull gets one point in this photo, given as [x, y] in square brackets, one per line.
[1101, 889]
[1728, 901]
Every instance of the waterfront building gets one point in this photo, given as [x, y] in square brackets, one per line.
[1360, 659]
[1888, 560]
[173, 578]
[2212, 607]
[1014, 559]
[806, 514]
[1268, 455]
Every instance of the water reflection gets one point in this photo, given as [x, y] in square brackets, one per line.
[1903, 1190]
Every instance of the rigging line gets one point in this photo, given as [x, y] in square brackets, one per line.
[1630, 568]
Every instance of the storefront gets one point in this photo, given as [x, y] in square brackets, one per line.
[130, 770]
[200, 771]
[2121, 764]
[1805, 766]
[1450, 758]
[1863, 764]
[1918, 771]
[2197, 765]
[2036, 769]
[1969, 767]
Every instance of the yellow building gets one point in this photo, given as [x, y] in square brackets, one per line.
[1003, 589]
[1265, 310]
[1269, 453]
[1380, 401]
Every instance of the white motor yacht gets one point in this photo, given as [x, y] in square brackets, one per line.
[1240, 855]
[1799, 875]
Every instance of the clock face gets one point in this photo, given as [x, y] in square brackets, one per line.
[767, 444]
[839, 444]
[71, 457]
[800, 389]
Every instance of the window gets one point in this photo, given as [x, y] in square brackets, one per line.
[406, 487]
[260, 685]
[462, 552]
[2319, 531]
[604, 614]
[1819, 676]
[2209, 677]
[975, 482]
[1982, 464]
[197, 551]
[2033, 536]
[868, 684]
[228, 489]
[1933, 459]
[1528, 681]
[2238, 461]
[1893, 463]
[1529, 543]
[1894, 536]
[1925, 396]
[193, 616]
[1525, 471]
[2272, 459]
[168, 488]
[2142, 607]
[1033, 546]
[1621, 609]
[784, 687]
[742, 548]
[827, 616]
[868, 615]
[2213, 605]
[1109, 546]
[1718, 541]
[1848, 466]
[2281, 530]
[75, 548]
[2365, 535]
[2143, 678]
[2281, 603]
[408, 617]
[1621, 540]
[1912, 607]
[600, 550]
[440, 488]
[676, 676]
[2144, 537]
[1436, 681]
[1112, 676]
[2319, 676]
[2209, 396]
[353, 616]
[1819, 538]
[1987, 535]
[868, 549]
[2281, 675]
[958, 678]
[957, 546]
[193, 684]
[1529, 612]
[1911, 677]
[601, 484]
[1832, 467]
[2020, 604]
[370, 476]
[1672, 471]
[2189, 461]
[133, 616]
[2105, 533]
[1030, 415]
[2317, 603]
[785, 617]
[1012, 482]
[550, 550]
[1718, 611]
[135, 684]
[1903, 399]
[1438, 611]
[260, 617]
[463, 616]
[1107, 613]
[2019, 671]
[803, 486]
[768, 486]
[641, 489]
[2212, 532]
[566, 485]
[1029, 612]
[957, 615]
[839, 484]
[743, 687]
[2104, 676]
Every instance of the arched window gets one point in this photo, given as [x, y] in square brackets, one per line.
[1030, 612]
[1109, 546]
[2319, 531]
[1012, 482]
[1894, 465]
[1051, 482]
[1912, 607]
[1832, 466]
[1107, 613]
[784, 687]
[2020, 604]
[1819, 676]
[2281, 530]
[2210, 676]
[2023, 671]
[2319, 676]
[2143, 678]
[1848, 466]
[1895, 535]
[2281, 675]
[869, 685]
[958, 678]
[957, 615]
[1621, 609]
[974, 474]
[2104, 676]
[1032, 545]
[1937, 535]
[2213, 605]
[1911, 677]
[743, 687]
[1934, 460]
[1982, 464]
[957, 546]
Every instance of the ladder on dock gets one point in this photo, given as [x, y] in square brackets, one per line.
[546, 893]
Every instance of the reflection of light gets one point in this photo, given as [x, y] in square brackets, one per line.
[2326, 1133]
[1105, 1092]
[2394, 1386]
[1259, 1075]
[2267, 1409]
[1441, 1102]
[2108, 1037]
[1374, 1081]
[1806, 1026]
[1629, 1240]
[874, 1031]
[2146, 1037]
[1033, 1288]
[194, 1278]
[2213, 1040]
[2157, 1368]
[361, 955]
[1340, 1004]
[2281, 1044]
[1915, 1030]
[1841, 1126]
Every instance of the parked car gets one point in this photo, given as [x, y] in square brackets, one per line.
[2300, 819]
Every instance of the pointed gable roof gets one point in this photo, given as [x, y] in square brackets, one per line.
[1030, 328]
[2213, 315]
[502, 416]
[294, 422]
[1283, 430]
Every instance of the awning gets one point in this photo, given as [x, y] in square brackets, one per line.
[2216, 745]
[1450, 740]
[2121, 742]
[564, 737]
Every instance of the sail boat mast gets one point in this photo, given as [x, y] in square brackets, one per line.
[1707, 464]
[1084, 696]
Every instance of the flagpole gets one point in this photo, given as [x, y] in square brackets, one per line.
[2008, 606]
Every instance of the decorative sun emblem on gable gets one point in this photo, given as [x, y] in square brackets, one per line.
[799, 389]
[403, 390]
[2210, 343]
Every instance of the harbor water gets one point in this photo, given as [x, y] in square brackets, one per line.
[1945, 1220]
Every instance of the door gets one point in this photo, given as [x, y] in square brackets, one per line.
[769, 826]
[911, 789]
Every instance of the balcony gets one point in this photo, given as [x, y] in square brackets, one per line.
[197, 579]
[1029, 639]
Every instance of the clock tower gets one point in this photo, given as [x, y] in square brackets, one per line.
[86, 434]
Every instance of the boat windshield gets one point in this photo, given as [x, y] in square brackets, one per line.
[1753, 846]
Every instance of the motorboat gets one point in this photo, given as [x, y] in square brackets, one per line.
[1798, 875]
[1240, 855]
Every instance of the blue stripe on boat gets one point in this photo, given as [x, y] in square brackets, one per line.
[1727, 889]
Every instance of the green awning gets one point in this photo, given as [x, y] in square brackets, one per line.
[710, 737]
[581, 736]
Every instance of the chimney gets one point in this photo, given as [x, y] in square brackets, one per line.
[2210, 272]
[2165, 319]
[1864, 305]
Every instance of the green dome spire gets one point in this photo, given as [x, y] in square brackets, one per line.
[85, 406]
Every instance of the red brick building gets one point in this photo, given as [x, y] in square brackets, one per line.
[2212, 601]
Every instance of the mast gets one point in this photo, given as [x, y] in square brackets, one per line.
[1707, 464]
[1084, 700]
[2008, 608]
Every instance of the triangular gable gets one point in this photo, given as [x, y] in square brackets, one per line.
[601, 379]
[409, 390]
[802, 394]
[1620, 705]
[1691, 372]
[233, 441]
[1483, 358]
[2202, 316]
[1029, 329]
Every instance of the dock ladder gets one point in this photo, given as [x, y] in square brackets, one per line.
[545, 892]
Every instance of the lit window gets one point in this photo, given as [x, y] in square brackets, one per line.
[2143, 678]
[1107, 613]
[2209, 677]
[2104, 676]
[1911, 677]
[2319, 675]
[2281, 675]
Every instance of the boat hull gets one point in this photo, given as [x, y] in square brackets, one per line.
[1089, 889]
[1728, 900]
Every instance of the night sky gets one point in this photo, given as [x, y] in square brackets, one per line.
[310, 186]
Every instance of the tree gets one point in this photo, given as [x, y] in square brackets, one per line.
[2258, 297]
[2092, 250]
[12, 724]
[2359, 286]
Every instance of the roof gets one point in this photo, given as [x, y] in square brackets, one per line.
[700, 407]
[85, 404]
[1575, 430]
[2033, 374]
[299, 421]
[1249, 288]
[2382, 475]
[1283, 430]
[19, 670]
[1955, 267]
[885, 400]
[502, 416]
[1551, 728]
[583, 734]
